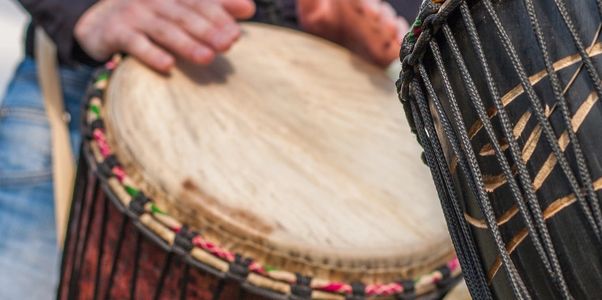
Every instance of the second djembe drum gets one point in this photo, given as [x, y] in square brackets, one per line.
[505, 99]
[279, 171]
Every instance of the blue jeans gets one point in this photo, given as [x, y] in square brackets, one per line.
[29, 253]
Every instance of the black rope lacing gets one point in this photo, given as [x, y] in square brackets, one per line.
[462, 238]
[432, 19]
[593, 73]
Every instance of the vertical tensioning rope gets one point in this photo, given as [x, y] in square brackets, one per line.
[538, 110]
[477, 177]
[540, 114]
[591, 70]
[586, 178]
[577, 40]
[550, 259]
[465, 245]
[543, 121]
[412, 59]
[551, 268]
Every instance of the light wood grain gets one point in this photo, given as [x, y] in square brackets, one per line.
[63, 163]
[288, 149]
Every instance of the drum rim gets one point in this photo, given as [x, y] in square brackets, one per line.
[169, 233]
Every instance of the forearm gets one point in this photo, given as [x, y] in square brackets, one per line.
[58, 19]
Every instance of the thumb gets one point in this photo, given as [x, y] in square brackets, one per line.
[239, 9]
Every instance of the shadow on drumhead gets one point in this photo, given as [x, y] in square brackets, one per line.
[215, 73]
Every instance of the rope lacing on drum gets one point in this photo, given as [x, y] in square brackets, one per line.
[358, 291]
[469, 166]
[105, 168]
[534, 229]
[412, 50]
[462, 239]
[545, 124]
[446, 277]
[595, 220]
[183, 240]
[301, 290]
[410, 94]
[410, 290]
[239, 268]
[96, 124]
[138, 203]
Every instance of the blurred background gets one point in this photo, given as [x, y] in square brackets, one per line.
[12, 28]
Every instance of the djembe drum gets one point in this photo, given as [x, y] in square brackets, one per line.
[279, 171]
[504, 97]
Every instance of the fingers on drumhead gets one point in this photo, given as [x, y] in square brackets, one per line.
[239, 9]
[178, 41]
[209, 22]
[199, 29]
[369, 8]
[140, 46]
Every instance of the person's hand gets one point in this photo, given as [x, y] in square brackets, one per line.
[371, 28]
[154, 31]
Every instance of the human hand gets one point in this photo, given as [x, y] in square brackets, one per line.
[371, 28]
[154, 31]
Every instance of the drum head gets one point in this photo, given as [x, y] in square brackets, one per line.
[287, 149]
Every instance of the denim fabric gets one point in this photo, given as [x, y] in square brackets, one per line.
[28, 250]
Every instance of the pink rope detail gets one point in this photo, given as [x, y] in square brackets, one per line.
[111, 65]
[98, 135]
[101, 140]
[437, 276]
[119, 173]
[336, 287]
[383, 289]
[454, 264]
[212, 248]
[257, 268]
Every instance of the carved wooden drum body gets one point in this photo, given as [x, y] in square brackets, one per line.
[281, 170]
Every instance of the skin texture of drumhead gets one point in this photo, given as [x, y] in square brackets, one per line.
[287, 149]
